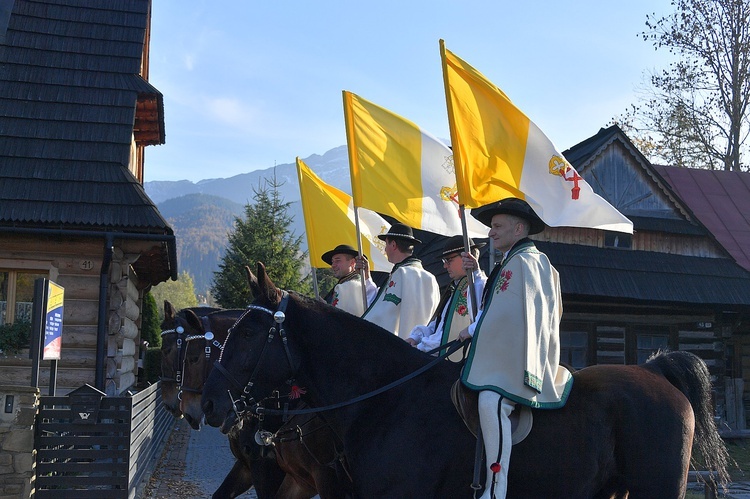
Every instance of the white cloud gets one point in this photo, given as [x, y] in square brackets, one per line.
[233, 113]
[189, 61]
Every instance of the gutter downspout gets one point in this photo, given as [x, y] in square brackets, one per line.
[101, 328]
[109, 237]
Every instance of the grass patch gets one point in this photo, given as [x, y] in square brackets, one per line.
[738, 466]
[739, 451]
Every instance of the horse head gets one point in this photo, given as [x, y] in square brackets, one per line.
[256, 359]
[202, 348]
[173, 329]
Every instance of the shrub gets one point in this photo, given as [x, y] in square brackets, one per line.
[14, 337]
[152, 365]
[150, 327]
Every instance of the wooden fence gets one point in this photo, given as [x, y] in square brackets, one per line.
[102, 458]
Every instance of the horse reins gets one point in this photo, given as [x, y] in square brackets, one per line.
[243, 403]
[451, 347]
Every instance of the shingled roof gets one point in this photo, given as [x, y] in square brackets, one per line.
[69, 89]
[647, 276]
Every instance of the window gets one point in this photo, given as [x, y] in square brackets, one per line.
[574, 348]
[618, 240]
[17, 295]
[648, 344]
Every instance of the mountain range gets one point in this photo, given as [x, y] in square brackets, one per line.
[202, 213]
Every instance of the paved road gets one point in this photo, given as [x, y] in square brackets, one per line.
[192, 466]
[209, 459]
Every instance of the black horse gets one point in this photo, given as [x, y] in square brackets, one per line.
[173, 348]
[626, 431]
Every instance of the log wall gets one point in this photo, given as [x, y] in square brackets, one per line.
[75, 264]
[675, 244]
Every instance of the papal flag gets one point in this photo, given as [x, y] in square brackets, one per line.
[398, 169]
[329, 221]
[500, 153]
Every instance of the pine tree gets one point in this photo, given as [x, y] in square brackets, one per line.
[262, 236]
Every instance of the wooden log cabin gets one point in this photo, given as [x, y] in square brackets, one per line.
[681, 281]
[76, 113]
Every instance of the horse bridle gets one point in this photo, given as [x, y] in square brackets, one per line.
[178, 330]
[245, 401]
[210, 340]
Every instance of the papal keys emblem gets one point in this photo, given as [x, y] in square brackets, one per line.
[559, 166]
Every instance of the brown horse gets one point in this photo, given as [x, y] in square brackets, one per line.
[626, 431]
[303, 448]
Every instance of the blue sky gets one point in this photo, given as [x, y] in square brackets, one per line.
[248, 84]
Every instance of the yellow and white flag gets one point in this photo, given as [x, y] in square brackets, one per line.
[399, 170]
[329, 221]
[501, 153]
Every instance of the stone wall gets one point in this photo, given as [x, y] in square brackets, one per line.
[17, 455]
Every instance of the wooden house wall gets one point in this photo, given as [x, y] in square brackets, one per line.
[75, 264]
[738, 361]
[612, 339]
[123, 326]
[661, 242]
[616, 175]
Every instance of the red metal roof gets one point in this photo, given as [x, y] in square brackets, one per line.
[720, 200]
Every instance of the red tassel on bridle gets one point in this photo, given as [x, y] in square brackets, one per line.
[296, 392]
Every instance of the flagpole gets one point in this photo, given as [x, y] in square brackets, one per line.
[359, 249]
[457, 162]
[469, 275]
[315, 282]
[353, 162]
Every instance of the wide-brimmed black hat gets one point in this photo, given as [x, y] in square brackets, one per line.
[341, 248]
[455, 244]
[509, 206]
[399, 231]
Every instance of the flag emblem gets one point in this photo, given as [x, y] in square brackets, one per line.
[559, 166]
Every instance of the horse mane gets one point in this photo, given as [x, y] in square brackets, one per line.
[363, 333]
[678, 367]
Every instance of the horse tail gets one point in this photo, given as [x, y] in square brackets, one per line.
[688, 373]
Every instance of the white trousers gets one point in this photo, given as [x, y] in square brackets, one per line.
[493, 421]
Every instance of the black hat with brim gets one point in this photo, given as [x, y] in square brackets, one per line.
[509, 206]
[455, 244]
[399, 231]
[341, 248]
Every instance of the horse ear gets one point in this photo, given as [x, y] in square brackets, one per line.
[268, 290]
[169, 311]
[193, 320]
[252, 281]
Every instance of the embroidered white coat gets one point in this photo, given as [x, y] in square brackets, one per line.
[455, 317]
[408, 298]
[515, 349]
[347, 296]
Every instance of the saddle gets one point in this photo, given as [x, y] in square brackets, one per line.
[466, 402]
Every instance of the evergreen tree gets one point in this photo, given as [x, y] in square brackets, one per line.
[150, 330]
[326, 281]
[180, 293]
[262, 236]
